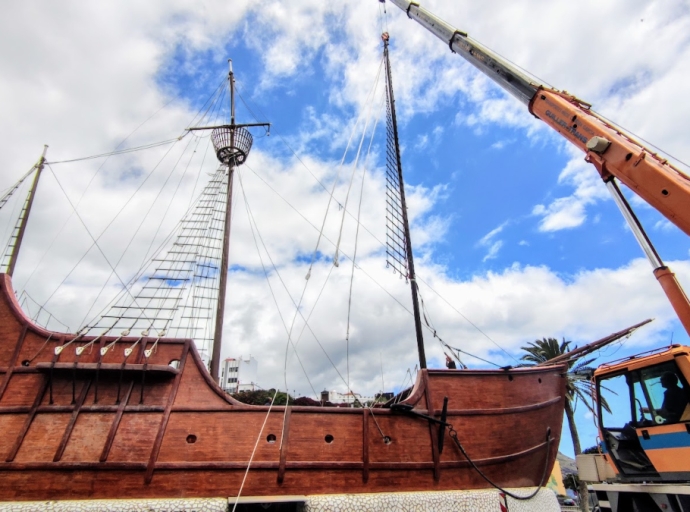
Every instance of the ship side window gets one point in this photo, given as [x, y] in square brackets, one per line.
[666, 392]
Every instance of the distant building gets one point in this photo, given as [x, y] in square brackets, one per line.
[239, 374]
[345, 398]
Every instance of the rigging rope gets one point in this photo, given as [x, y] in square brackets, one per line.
[335, 182]
[252, 224]
[454, 436]
[256, 444]
[468, 320]
[176, 265]
[427, 321]
[306, 323]
[323, 186]
[382, 244]
[395, 299]
[355, 163]
[121, 151]
[143, 219]
[354, 254]
[210, 101]
[11, 190]
[24, 299]
[313, 258]
[95, 240]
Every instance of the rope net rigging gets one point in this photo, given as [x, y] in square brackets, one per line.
[396, 241]
[176, 294]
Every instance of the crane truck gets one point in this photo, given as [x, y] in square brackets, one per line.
[644, 464]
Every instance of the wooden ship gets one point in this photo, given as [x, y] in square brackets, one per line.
[113, 414]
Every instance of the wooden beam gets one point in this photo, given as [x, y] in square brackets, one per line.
[284, 445]
[73, 420]
[365, 446]
[29, 419]
[13, 361]
[116, 423]
[19, 409]
[433, 432]
[166, 416]
[158, 369]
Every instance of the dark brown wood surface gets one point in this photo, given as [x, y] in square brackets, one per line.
[190, 439]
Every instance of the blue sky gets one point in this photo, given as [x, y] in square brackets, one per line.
[513, 229]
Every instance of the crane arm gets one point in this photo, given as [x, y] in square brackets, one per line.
[613, 153]
[508, 76]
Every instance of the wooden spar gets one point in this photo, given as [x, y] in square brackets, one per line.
[403, 205]
[232, 143]
[222, 285]
[595, 345]
[25, 218]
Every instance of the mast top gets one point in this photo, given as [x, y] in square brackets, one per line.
[233, 141]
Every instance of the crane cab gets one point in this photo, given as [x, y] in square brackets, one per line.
[646, 434]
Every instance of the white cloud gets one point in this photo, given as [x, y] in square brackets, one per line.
[493, 251]
[81, 78]
[570, 212]
[489, 241]
[499, 144]
[486, 239]
[663, 225]
[422, 142]
[563, 213]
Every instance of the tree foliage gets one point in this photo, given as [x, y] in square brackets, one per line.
[263, 397]
[579, 387]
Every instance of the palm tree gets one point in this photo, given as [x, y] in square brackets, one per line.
[578, 387]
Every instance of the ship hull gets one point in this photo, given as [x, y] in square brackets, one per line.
[93, 426]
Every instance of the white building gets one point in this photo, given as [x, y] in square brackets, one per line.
[239, 374]
[345, 398]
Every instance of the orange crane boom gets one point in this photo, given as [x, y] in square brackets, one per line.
[615, 154]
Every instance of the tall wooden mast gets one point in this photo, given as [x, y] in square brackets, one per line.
[232, 143]
[25, 214]
[222, 286]
[400, 250]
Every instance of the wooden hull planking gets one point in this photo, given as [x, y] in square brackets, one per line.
[174, 433]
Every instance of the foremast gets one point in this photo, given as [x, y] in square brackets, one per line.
[232, 143]
[399, 253]
[24, 217]
[223, 281]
